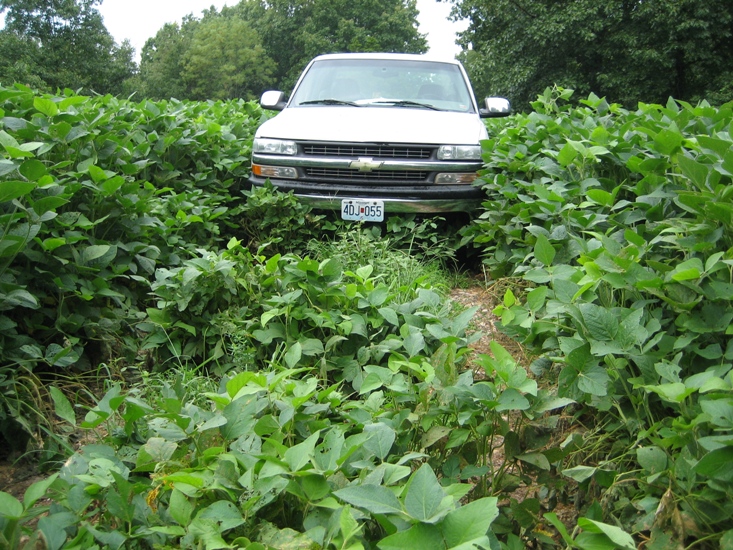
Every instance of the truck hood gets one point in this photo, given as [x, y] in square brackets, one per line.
[374, 124]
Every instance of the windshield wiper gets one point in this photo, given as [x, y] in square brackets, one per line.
[407, 104]
[329, 102]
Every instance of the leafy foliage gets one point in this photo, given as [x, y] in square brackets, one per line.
[338, 410]
[265, 449]
[279, 456]
[51, 44]
[253, 45]
[625, 51]
[618, 224]
[96, 193]
[211, 58]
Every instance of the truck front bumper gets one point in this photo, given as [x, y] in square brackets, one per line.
[418, 199]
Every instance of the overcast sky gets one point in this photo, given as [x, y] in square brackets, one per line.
[138, 20]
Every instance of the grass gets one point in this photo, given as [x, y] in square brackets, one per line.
[397, 268]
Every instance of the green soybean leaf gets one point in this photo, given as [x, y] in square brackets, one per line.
[580, 473]
[389, 315]
[378, 296]
[293, 355]
[719, 146]
[21, 298]
[433, 435]
[653, 459]
[11, 190]
[675, 392]
[110, 539]
[536, 298]
[695, 171]
[98, 256]
[112, 185]
[373, 498]
[240, 415]
[33, 169]
[315, 487]
[46, 106]
[7, 166]
[668, 141]
[226, 514]
[155, 451]
[381, 439]
[720, 410]
[159, 317]
[717, 464]
[10, 507]
[98, 175]
[424, 494]
[600, 322]
[511, 400]
[470, 523]
[36, 491]
[600, 196]
[543, 250]
[72, 100]
[535, 459]
[364, 272]
[299, 455]
[567, 155]
[6, 140]
[54, 528]
[48, 204]
[687, 271]
[560, 526]
[414, 344]
[594, 380]
[726, 541]
[180, 508]
[619, 537]
[509, 298]
[418, 536]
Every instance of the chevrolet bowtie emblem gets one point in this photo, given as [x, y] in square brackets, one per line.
[365, 164]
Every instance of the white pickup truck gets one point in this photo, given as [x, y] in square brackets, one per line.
[372, 133]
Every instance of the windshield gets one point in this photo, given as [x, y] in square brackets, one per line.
[393, 82]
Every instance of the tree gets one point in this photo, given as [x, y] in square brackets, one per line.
[19, 60]
[215, 57]
[68, 44]
[162, 58]
[626, 50]
[295, 31]
[225, 60]
[257, 44]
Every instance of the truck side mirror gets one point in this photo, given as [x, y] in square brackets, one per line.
[495, 107]
[274, 100]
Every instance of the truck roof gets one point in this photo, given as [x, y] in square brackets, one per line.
[395, 56]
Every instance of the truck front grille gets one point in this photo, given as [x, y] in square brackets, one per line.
[374, 151]
[392, 176]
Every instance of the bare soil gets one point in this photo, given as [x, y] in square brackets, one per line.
[485, 322]
[17, 474]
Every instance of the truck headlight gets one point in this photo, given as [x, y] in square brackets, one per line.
[459, 152]
[453, 178]
[274, 171]
[274, 146]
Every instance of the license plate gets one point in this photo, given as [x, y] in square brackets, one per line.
[362, 210]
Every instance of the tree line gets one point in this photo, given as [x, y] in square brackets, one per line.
[237, 52]
[625, 50]
[51, 44]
